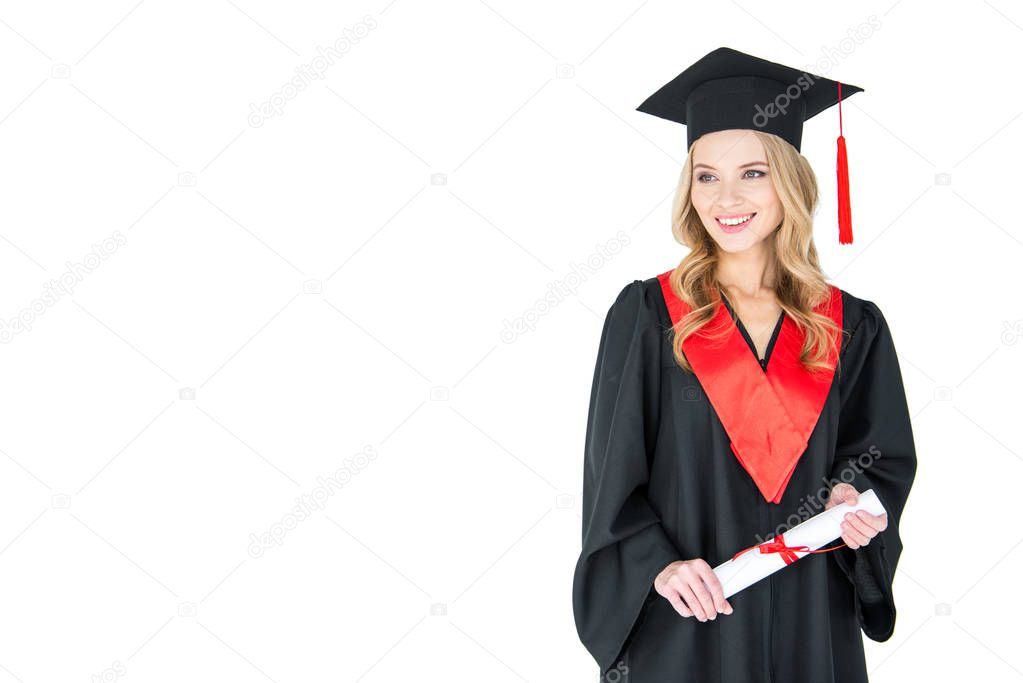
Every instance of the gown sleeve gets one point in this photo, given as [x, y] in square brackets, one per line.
[624, 545]
[875, 450]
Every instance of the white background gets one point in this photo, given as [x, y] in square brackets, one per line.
[328, 289]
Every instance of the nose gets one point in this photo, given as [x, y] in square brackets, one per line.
[730, 194]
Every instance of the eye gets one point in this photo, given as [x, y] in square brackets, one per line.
[700, 178]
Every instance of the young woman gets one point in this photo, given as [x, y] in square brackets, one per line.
[735, 396]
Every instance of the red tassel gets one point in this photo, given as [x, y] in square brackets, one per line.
[844, 205]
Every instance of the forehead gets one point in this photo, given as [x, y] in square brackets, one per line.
[725, 148]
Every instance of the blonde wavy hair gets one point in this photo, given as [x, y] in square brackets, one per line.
[799, 283]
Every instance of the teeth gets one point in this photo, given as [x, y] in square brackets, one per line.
[735, 221]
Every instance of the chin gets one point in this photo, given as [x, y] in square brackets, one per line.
[736, 243]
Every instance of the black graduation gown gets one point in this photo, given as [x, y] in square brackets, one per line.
[661, 484]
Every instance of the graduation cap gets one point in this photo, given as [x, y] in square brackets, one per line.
[728, 89]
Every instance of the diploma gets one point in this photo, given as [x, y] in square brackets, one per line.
[759, 561]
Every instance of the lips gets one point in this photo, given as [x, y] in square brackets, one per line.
[735, 227]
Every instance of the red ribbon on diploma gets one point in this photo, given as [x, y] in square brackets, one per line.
[788, 553]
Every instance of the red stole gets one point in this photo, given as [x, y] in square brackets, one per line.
[768, 416]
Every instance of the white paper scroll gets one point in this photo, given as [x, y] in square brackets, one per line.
[814, 533]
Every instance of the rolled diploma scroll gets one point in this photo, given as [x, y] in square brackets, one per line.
[814, 533]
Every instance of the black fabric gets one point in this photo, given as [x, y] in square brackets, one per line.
[749, 340]
[661, 484]
[727, 89]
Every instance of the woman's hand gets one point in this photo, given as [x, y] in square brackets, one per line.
[692, 588]
[861, 526]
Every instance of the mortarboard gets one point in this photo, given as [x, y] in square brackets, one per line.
[728, 89]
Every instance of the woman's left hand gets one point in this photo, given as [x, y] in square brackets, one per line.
[860, 526]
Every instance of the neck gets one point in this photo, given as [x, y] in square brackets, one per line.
[748, 272]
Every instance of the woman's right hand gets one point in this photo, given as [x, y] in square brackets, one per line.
[692, 588]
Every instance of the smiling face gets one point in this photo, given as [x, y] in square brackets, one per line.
[731, 189]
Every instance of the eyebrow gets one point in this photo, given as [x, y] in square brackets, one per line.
[752, 163]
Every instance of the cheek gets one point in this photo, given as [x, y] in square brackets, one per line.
[767, 199]
[702, 198]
